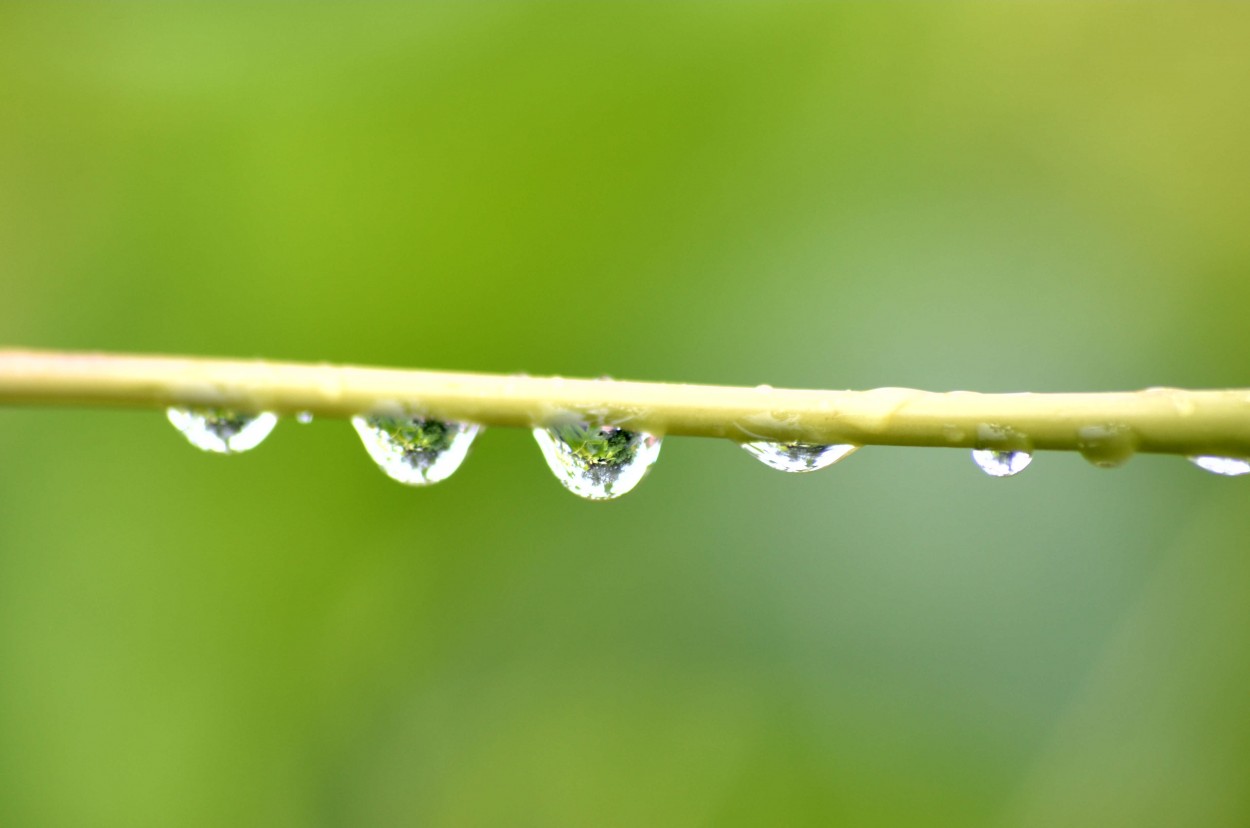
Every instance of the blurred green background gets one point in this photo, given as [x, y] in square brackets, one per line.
[995, 197]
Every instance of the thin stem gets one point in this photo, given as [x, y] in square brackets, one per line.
[1161, 420]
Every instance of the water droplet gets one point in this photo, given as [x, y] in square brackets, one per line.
[597, 462]
[1227, 466]
[414, 450]
[1001, 463]
[1106, 446]
[304, 417]
[221, 430]
[1001, 451]
[797, 457]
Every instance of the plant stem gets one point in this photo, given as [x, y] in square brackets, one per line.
[1161, 420]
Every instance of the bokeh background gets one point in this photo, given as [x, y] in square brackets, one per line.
[1008, 197]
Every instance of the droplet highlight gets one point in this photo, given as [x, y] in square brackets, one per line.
[797, 457]
[597, 462]
[221, 430]
[416, 451]
[1227, 466]
[1001, 463]
[304, 417]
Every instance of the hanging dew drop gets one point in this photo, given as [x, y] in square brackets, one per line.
[1001, 451]
[797, 457]
[414, 450]
[1227, 466]
[1001, 463]
[220, 430]
[597, 462]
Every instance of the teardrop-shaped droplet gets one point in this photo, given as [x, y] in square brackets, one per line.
[797, 457]
[1001, 463]
[1227, 466]
[1107, 445]
[597, 462]
[221, 430]
[414, 450]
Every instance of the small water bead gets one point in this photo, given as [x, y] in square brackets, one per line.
[304, 417]
[221, 430]
[1227, 466]
[414, 450]
[1106, 446]
[797, 457]
[597, 462]
[1001, 463]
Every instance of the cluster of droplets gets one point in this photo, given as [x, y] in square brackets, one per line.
[594, 461]
[602, 461]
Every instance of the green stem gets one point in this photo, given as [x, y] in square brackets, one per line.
[1162, 420]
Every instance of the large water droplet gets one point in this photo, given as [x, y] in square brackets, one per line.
[221, 430]
[414, 450]
[1001, 463]
[1227, 466]
[1106, 446]
[797, 457]
[597, 462]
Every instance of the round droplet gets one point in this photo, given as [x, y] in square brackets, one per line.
[597, 462]
[1001, 463]
[221, 430]
[1227, 466]
[414, 450]
[304, 417]
[1106, 446]
[797, 457]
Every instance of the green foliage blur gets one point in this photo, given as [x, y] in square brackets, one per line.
[999, 197]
